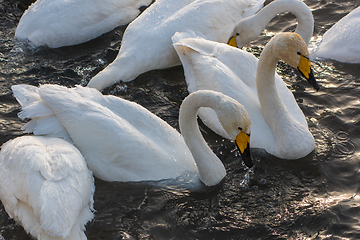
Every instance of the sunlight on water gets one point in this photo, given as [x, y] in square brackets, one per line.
[311, 198]
[313, 44]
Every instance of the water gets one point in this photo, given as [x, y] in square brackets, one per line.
[312, 198]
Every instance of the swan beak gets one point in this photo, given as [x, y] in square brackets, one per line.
[232, 41]
[242, 141]
[305, 69]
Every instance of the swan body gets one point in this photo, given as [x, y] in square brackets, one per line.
[46, 187]
[122, 141]
[146, 44]
[69, 22]
[278, 124]
[341, 41]
[250, 28]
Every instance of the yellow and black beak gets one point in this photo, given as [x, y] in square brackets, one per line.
[305, 69]
[232, 41]
[242, 141]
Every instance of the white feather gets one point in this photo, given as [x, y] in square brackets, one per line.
[46, 187]
[122, 141]
[220, 67]
[69, 22]
[147, 45]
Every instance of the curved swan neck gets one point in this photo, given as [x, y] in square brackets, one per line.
[273, 109]
[291, 139]
[305, 26]
[210, 167]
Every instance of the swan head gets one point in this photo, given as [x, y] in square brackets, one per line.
[236, 122]
[244, 32]
[292, 49]
[232, 116]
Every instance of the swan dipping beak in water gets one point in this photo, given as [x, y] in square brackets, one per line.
[242, 142]
[122, 141]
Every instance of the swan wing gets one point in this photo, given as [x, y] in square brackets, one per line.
[205, 71]
[244, 65]
[147, 45]
[70, 174]
[45, 184]
[341, 41]
[287, 97]
[120, 140]
[219, 67]
[62, 23]
[235, 61]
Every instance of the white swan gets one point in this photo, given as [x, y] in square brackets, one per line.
[46, 187]
[278, 125]
[341, 41]
[69, 22]
[122, 141]
[250, 28]
[147, 45]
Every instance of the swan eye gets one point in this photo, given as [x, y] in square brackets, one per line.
[298, 53]
[240, 128]
[237, 34]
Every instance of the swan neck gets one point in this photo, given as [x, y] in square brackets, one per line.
[305, 26]
[210, 167]
[291, 139]
[273, 109]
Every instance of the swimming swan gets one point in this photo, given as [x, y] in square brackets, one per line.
[122, 141]
[250, 28]
[341, 41]
[146, 44]
[46, 187]
[69, 22]
[278, 125]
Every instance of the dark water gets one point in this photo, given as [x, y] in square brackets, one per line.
[312, 198]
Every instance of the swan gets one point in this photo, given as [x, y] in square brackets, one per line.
[146, 44]
[250, 28]
[341, 41]
[46, 187]
[69, 22]
[278, 124]
[122, 141]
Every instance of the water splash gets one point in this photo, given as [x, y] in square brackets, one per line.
[245, 182]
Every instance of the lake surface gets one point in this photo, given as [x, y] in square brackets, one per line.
[311, 198]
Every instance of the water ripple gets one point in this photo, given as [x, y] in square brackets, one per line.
[344, 147]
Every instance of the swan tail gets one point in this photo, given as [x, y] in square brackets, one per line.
[112, 74]
[43, 120]
[48, 126]
[30, 101]
[191, 51]
[186, 34]
[36, 109]
[26, 94]
[194, 41]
